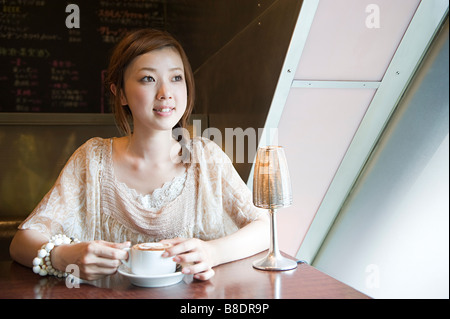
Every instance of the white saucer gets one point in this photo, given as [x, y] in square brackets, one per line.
[151, 281]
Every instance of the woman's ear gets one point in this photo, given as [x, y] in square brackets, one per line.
[123, 100]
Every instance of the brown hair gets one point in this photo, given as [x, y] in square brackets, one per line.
[131, 46]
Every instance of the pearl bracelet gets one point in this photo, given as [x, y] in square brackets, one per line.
[42, 264]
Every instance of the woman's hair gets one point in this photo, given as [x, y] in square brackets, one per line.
[131, 46]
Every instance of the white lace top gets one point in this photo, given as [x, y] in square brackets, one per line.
[209, 201]
[159, 197]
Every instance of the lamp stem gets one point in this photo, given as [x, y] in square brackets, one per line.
[274, 260]
[273, 250]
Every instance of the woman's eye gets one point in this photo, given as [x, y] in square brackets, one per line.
[177, 78]
[148, 79]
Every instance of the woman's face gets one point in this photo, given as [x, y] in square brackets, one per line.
[155, 89]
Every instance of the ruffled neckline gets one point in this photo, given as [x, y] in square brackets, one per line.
[159, 197]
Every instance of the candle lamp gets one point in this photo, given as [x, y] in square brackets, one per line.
[272, 190]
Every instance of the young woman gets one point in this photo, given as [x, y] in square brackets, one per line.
[149, 185]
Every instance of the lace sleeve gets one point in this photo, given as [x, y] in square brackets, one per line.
[237, 197]
[63, 208]
[232, 194]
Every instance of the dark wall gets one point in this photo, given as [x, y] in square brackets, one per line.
[236, 49]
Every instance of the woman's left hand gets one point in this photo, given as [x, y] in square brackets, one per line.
[194, 255]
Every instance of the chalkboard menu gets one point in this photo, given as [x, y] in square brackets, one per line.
[54, 53]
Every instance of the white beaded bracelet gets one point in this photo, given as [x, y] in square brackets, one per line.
[42, 264]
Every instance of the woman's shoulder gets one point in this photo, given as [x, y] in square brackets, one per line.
[202, 142]
[204, 149]
[96, 142]
[93, 147]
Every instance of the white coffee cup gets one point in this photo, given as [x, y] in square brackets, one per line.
[145, 259]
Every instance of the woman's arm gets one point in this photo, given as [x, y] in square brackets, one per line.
[198, 256]
[95, 259]
[247, 241]
[25, 244]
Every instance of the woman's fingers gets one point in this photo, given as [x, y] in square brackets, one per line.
[205, 275]
[111, 250]
[200, 270]
[180, 245]
[173, 241]
[189, 257]
[193, 255]
[100, 258]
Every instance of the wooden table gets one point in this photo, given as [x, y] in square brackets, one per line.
[235, 280]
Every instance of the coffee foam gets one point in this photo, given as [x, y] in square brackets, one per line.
[152, 246]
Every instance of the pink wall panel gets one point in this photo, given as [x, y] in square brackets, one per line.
[316, 128]
[346, 42]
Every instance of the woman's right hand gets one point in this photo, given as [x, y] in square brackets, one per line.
[95, 259]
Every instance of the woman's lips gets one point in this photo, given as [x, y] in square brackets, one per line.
[164, 111]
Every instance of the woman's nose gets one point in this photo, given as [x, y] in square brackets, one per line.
[164, 92]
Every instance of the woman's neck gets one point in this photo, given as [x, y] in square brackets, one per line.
[155, 147]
